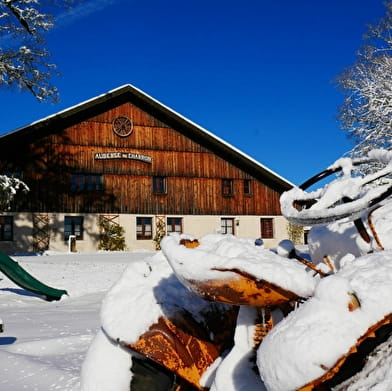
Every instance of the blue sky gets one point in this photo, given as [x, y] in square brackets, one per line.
[259, 74]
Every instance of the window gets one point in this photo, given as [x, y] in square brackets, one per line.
[174, 224]
[267, 228]
[17, 175]
[159, 185]
[73, 225]
[6, 228]
[248, 187]
[94, 182]
[227, 225]
[227, 187]
[89, 182]
[143, 228]
[77, 182]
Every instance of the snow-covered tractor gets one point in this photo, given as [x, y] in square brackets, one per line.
[220, 313]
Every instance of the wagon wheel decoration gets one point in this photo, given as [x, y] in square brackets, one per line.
[122, 126]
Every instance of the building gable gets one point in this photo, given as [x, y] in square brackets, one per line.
[79, 149]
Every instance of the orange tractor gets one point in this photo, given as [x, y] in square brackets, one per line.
[309, 325]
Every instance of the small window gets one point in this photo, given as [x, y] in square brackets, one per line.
[77, 182]
[227, 225]
[16, 175]
[266, 228]
[94, 182]
[6, 228]
[73, 225]
[174, 224]
[86, 182]
[248, 187]
[143, 228]
[227, 187]
[159, 185]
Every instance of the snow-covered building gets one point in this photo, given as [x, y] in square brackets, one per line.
[125, 159]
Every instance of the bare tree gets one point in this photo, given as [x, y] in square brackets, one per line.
[366, 112]
[24, 60]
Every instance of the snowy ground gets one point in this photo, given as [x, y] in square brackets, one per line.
[44, 343]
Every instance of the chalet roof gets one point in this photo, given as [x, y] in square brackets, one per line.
[129, 93]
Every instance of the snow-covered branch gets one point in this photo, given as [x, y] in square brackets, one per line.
[24, 62]
[366, 113]
[9, 187]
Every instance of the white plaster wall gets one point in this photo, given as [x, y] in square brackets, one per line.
[245, 227]
[89, 243]
[22, 233]
[198, 226]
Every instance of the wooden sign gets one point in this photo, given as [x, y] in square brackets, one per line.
[122, 155]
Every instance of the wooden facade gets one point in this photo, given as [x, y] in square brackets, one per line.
[77, 161]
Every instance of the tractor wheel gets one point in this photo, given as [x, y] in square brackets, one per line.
[150, 376]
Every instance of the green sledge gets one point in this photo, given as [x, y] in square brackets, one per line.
[26, 281]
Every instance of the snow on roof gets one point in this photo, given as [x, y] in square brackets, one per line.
[162, 107]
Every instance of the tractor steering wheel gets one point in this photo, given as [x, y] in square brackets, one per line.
[348, 196]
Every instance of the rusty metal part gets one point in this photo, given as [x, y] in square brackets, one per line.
[309, 264]
[373, 229]
[354, 302]
[241, 289]
[328, 261]
[184, 386]
[360, 226]
[190, 243]
[319, 384]
[184, 346]
[264, 324]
